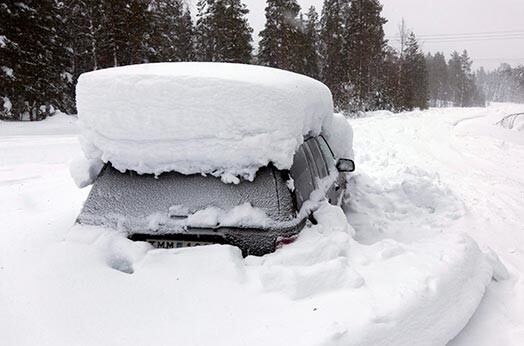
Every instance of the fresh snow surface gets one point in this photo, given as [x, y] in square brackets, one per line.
[429, 187]
[154, 118]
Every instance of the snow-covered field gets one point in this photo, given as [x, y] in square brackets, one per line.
[407, 269]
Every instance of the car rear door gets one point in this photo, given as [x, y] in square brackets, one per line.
[322, 169]
[303, 173]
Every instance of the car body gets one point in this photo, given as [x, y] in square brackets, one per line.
[162, 210]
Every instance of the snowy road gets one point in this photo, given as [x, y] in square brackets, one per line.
[423, 179]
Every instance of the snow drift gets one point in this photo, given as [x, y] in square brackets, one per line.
[224, 119]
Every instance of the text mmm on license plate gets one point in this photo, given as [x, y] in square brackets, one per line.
[175, 244]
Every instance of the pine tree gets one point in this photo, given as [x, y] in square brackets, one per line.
[280, 44]
[311, 54]
[126, 29]
[462, 83]
[365, 48]
[413, 80]
[333, 68]
[231, 32]
[138, 30]
[438, 81]
[204, 31]
[82, 30]
[456, 78]
[389, 92]
[33, 56]
[172, 33]
[479, 97]
[186, 37]
[11, 88]
[223, 32]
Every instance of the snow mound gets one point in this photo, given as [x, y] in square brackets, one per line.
[224, 119]
[324, 289]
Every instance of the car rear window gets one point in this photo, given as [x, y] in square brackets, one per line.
[117, 196]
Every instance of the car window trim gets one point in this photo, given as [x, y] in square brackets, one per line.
[322, 158]
[329, 147]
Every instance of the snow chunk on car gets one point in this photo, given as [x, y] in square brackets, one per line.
[227, 120]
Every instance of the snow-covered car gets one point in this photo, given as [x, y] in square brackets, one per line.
[256, 216]
[199, 153]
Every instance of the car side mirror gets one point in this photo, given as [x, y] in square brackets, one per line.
[345, 165]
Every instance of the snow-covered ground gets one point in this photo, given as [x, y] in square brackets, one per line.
[450, 171]
[405, 270]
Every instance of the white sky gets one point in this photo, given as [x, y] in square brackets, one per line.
[437, 17]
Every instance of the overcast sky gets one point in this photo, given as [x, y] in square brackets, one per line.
[485, 18]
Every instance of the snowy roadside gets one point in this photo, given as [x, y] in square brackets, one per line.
[410, 276]
[451, 171]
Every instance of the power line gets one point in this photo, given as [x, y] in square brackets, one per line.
[467, 34]
[499, 59]
[478, 39]
[465, 39]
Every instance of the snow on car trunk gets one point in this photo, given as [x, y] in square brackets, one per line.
[224, 119]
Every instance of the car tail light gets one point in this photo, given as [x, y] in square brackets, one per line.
[281, 241]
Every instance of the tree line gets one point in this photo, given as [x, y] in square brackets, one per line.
[46, 44]
[505, 84]
[453, 83]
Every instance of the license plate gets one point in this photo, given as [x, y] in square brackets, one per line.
[175, 244]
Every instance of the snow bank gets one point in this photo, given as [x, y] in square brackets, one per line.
[324, 289]
[224, 119]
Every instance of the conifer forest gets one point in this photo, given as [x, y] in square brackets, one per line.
[45, 45]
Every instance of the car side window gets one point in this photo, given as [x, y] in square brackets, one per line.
[303, 177]
[329, 158]
[317, 158]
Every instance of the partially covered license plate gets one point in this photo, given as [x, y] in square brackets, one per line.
[175, 244]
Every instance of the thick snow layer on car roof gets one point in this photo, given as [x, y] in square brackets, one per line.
[224, 119]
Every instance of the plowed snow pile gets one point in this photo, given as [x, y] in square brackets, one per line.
[224, 119]
[324, 289]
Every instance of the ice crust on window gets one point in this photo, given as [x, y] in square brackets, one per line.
[227, 120]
